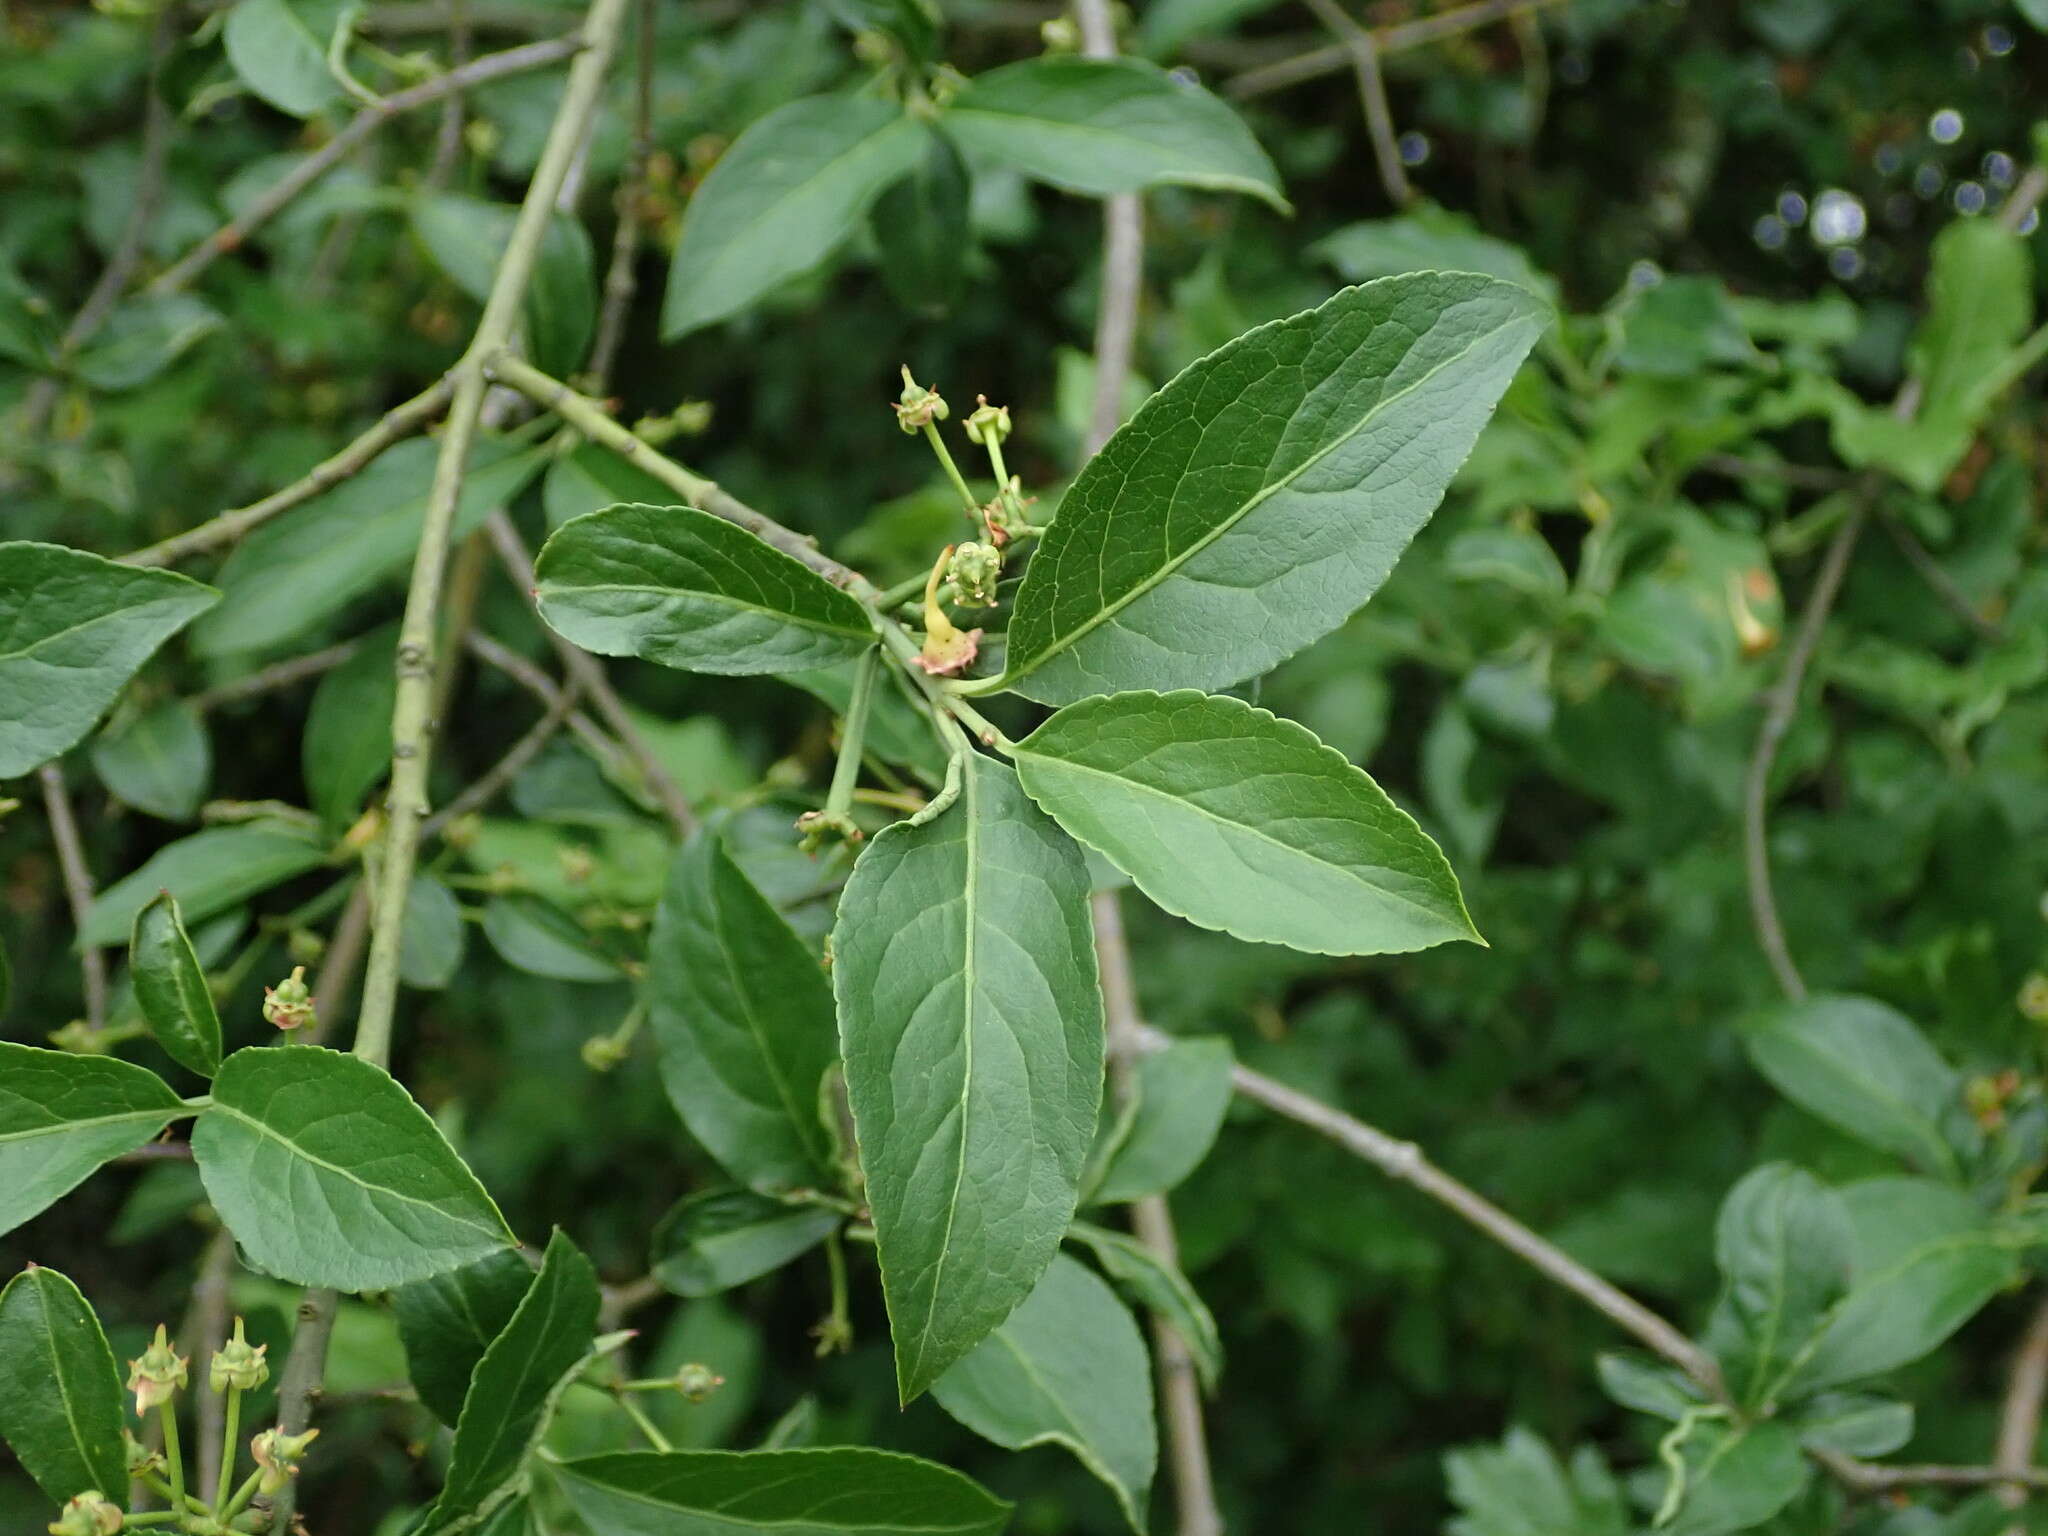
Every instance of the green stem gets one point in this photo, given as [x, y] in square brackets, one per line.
[837, 1333]
[931, 435]
[231, 1431]
[154, 1517]
[853, 736]
[411, 722]
[946, 702]
[643, 1423]
[242, 1496]
[995, 461]
[174, 1458]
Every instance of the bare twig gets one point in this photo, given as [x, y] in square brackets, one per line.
[1334, 58]
[399, 422]
[485, 789]
[448, 136]
[206, 1331]
[492, 66]
[92, 965]
[2019, 1417]
[1359, 47]
[277, 676]
[1943, 585]
[619, 279]
[298, 1385]
[1871, 1477]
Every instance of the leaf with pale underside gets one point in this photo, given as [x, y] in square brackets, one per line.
[1256, 501]
[971, 1027]
[170, 988]
[1144, 1277]
[73, 629]
[1240, 821]
[448, 1321]
[62, 1116]
[329, 1174]
[60, 1394]
[689, 590]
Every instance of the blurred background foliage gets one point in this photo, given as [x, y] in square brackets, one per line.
[1734, 203]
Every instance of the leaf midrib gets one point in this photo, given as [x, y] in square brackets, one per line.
[1008, 120]
[1909, 1113]
[130, 611]
[1075, 1438]
[559, 592]
[167, 1114]
[670, 1506]
[1107, 611]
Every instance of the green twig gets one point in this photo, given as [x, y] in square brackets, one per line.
[641, 1422]
[853, 736]
[938, 443]
[174, 1457]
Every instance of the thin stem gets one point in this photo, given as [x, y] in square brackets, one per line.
[1405, 1162]
[298, 1387]
[223, 1486]
[853, 735]
[212, 1301]
[174, 1456]
[616, 761]
[945, 458]
[2019, 1416]
[1939, 582]
[92, 965]
[507, 768]
[243, 1495]
[411, 720]
[641, 1422]
[1364, 53]
[275, 677]
[230, 236]
[619, 279]
[1334, 58]
[398, 423]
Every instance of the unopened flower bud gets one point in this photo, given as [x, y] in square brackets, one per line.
[974, 570]
[917, 407]
[289, 1004]
[2033, 998]
[90, 1514]
[987, 423]
[277, 1457]
[158, 1374]
[238, 1364]
[697, 1382]
[1005, 515]
[601, 1053]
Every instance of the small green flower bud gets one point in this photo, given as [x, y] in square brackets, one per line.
[1060, 35]
[601, 1053]
[90, 1514]
[2033, 998]
[80, 1039]
[304, 946]
[158, 1374]
[238, 1364]
[289, 1004]
[917, 407]
[141, 1459]
[1005, 516]
[697, 1382]
[988, 423]
[974, 571]
[277, 1457]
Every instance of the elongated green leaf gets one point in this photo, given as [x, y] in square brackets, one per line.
[714, 1241]
[466, 236]
[1183, 1093]
[1103, 126]
[690, 590]
[171, 990]
[73, 629]
[1244, 822]
[1068, 1368]
[159, 762]
[923, 233]
[208, 872]
[329, 1174]
[61, 1116]
[279, 48]
[1782, 1242]
[431, 947]
[1926, 1260]
[1864, 1068]
[1853, 1424]
[1264, 494]
[1149, 1280]
[142, 338]
[516, 1382]
[448, 1321]
[60, 1391]
[787, 193]
[1519, 1488]
[539, 938]
[589, 478]
[1736, 1479]
[841, 1491]
[971, 1026]
[743, 1022]
[294, 574]
[347, 746]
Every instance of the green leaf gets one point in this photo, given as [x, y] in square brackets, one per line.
[1150, 1281]
[61, 1116]
[142, 338]
[1104, 126]
[1240, 821]
[160, 762]
[60, 1391]
[430, 949]
[1183, 1093]
[208, 872]
[1428, 239]
[447, 1321]
[780, 200]
[1166, 24]
[1067, 1368]
[1925, 1260]
[73, 629]
[346, 750]
[1863, 1068]
[1259, 498]
[589, 478]
[279, 48]
[971, 1026]
[1853, 1424]
[923, 234]
[295, 574]
[1647, 1384]
[1519, 1488]
[1735, 1480]
[897, 732]
[1782, 1242]
[743, 1022]
[540, 939]
[689, 590]
[841, 1491]
[466, 236]
[170, 988]
[329, 1174]
[6, 981]
[522, 1372]
[725, 1237]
